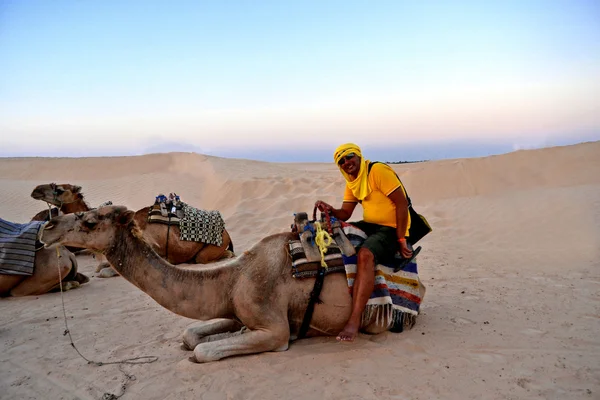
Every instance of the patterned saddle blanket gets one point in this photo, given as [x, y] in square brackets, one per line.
[194, 225]
[18, 243]
[398, 292]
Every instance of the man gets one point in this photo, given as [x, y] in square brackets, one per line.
[385, 221]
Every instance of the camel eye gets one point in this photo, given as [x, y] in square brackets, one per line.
[59, 191]
[90, 224]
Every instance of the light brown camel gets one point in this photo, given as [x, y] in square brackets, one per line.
[67, 198]
[255, 290]
[45, 274]
[70, 200]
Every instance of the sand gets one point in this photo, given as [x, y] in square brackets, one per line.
[512, 271]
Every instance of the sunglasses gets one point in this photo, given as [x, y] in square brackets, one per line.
[347, 157]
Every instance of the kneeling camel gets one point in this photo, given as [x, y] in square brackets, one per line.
[45, 276]
[69, 199]
[255, 290]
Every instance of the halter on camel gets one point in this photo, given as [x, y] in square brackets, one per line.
[55, 199]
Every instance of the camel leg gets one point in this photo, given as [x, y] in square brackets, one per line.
[251, 342]
[107, 271]
[210, 252]
[207, 331]
[104, 269]
[44, 279]
[7, 282]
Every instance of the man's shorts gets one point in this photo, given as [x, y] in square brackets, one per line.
[381, 240]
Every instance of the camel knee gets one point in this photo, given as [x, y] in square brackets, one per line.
[279, 340]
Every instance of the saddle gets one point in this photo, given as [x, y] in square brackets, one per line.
[166, 210]
[305, 253]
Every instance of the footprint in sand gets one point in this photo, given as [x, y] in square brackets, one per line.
[533, 332]
[487, 357]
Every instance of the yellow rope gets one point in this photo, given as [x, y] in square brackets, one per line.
[323, 240]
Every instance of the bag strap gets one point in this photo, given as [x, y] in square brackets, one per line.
[379, 162]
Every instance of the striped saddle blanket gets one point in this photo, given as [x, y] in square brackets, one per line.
[303, 268]
[398, 292]
[18, 243]
[166, 211]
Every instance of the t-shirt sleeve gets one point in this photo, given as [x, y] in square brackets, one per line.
[349, 197]
[385, 179]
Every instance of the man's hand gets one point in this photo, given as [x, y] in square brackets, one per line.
[322, 206]
[404, 250]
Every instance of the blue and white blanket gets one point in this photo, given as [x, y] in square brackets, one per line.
[17, 247]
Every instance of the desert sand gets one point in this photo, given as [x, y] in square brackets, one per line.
[512, 271]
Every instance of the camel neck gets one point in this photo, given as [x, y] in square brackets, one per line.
[199, 294]
[78, 205]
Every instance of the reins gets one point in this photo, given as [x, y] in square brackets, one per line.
[60, 202]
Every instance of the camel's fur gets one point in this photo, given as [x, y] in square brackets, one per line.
[255, 290]
[45, 274]
[70, 200]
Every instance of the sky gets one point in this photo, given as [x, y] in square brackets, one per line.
[291, 80]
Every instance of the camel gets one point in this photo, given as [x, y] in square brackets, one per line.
[45, 274]
[255, 291]
[69, 199]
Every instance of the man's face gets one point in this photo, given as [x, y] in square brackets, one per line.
[350, 164]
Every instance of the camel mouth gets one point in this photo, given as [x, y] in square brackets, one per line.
[45, 240]
[37, 196]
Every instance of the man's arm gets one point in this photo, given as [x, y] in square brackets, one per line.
[401, 203]
[344, 213]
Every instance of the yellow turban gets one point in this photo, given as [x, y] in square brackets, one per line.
[359, 186]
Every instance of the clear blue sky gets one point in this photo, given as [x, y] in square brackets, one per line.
[288, 80]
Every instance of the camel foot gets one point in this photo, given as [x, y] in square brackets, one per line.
[66, 286]
[107, 272]
[210, 331]
[348, 334]
[228, 254]
[102, 266]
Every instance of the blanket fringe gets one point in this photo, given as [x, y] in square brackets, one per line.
[385, 316]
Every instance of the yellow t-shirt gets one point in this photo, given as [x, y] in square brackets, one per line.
[377, 206]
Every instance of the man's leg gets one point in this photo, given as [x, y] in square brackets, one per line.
[364, 283]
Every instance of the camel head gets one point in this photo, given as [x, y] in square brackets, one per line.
[57, 194]
[94, 230]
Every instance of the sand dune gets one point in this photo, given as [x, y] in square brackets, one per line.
[512, 270]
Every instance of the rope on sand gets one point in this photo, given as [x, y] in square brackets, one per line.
[134, 360]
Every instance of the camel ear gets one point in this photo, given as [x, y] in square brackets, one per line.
[76, 189]
[125, 217]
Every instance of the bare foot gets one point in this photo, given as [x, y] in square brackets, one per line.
[348, 334]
